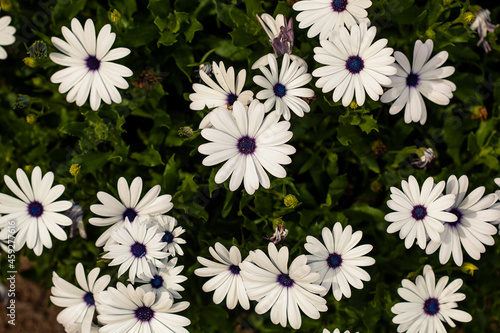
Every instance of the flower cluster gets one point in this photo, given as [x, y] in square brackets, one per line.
[283, 289]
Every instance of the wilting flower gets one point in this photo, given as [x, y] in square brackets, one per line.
[426, 158]
[482, 25]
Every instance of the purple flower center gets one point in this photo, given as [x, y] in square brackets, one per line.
[285, 280]
[246, 145]
[412, 80]
[431, 306]
[93, 63]
[458, 214]
[235, 269]
[156, 282]
[334, 260]
[339, 5]
[35, 209]
[419, 212]
[279, 90]
[354, 64]
[231, 98]
[138, 250]
[89, 298]
[130, 213]
[144, 313]
[168, 237]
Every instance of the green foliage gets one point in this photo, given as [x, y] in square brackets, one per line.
[346, 160]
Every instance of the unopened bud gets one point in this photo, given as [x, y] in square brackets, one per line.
[74, 170]
[291, 201]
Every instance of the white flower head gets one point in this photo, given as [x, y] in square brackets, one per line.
[428, 304]
[6, 35]
[125, 309]
[90, 67]
[482, 24]
[353, 64]
[283, 89]
[472, 228]
[129, 206]
[225, 93]
[79, 303]
[167, 226]
[425, 78]
[283, 289]
[419, 213]
[324, 16]
[338, 259]
[165, 279]
[136, 247]
[226, 278]
[34, 211]
[249, 143]
[335, 331]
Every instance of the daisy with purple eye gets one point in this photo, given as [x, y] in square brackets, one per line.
[426, 77]
[137, 246]
[472, 228]
[283, 89]
[90, 67]
[167, 226]
[165, 280]
[324, 16]
[226, 279]
[35, 212]
[419, 213]
[129, 207]
[79, 303]
[225, 93]
[338, 259]
[249, 143]
[125, 309]
[428, 304]
[353, 64]
[282, 289]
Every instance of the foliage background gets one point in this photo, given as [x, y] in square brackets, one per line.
[337, 174]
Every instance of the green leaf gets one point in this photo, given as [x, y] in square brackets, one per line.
[150, 157]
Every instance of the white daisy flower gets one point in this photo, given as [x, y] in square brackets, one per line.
[482, 24]
[129, 207]
[228, 91]
[335, 331]
[79, 303]
[425, 78]
[323, 16]
[250, 143]
[226, 280]
[137, 247]
[284, 88]
[165, 279]
[338, 260]
[167, 227]
[35, 212]
[90, 67]
[471, 229]
[428, 304]
[276, 287]
[419, 214]
[353, 64]
[6, 35]
[125, 309]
